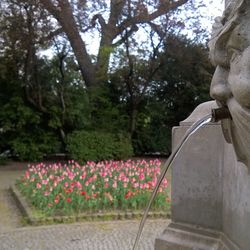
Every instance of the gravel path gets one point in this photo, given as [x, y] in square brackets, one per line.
[115, 235]
[10, 217]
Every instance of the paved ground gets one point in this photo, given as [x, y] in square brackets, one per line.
[115, 235]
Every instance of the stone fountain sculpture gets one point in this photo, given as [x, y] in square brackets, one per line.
[211, 176]
[230, 53]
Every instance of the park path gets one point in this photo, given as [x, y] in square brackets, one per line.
[10, 217]
[110, 235]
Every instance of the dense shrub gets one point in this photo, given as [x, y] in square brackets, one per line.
[97, 146]
[23, 134]
[33, 147]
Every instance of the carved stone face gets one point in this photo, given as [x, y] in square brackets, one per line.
[230, 53]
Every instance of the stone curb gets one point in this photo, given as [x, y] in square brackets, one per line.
[34, 220]
[22, 204]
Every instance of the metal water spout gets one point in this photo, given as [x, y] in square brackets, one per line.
[220, 114]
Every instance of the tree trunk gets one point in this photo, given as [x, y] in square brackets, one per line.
[133, 117]
[65, 17]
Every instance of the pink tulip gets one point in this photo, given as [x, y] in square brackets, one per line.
[141, 176]
[114, 184]
[45, 182]
[27, 174]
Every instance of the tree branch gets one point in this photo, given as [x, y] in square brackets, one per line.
[123, 38]
[146, 18]
[100, 19]
[51, 35]
[64, 15]
[50, 7]
[116, 7]
[158, 30]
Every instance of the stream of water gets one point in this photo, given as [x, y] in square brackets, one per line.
[206, 119]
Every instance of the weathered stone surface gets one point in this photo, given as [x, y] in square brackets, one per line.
[183, 237]
[236, 199]
[210, 190]
[232, 195]
[201, 110]
[230, 53]
[196, 174]
[205, 190]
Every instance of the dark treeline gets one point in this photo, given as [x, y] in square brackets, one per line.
[50, 105]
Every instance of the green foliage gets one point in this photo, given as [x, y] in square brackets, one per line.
[34, 121]
[180, 84]
[15, 115]
[34, 146]
[22, 133]
[106, 110]
[36, 115]
[67, 100]
[177, 88]
[96, 146]
[3, 160]
[152, 135]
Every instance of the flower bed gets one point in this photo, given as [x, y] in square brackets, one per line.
[71, 188]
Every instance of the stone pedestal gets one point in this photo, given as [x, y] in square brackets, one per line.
[210, 192]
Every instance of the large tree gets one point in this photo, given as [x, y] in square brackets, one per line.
[50, 93]
[111, 19]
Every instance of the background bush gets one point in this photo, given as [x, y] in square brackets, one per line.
[97, 146]
[34, 147]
